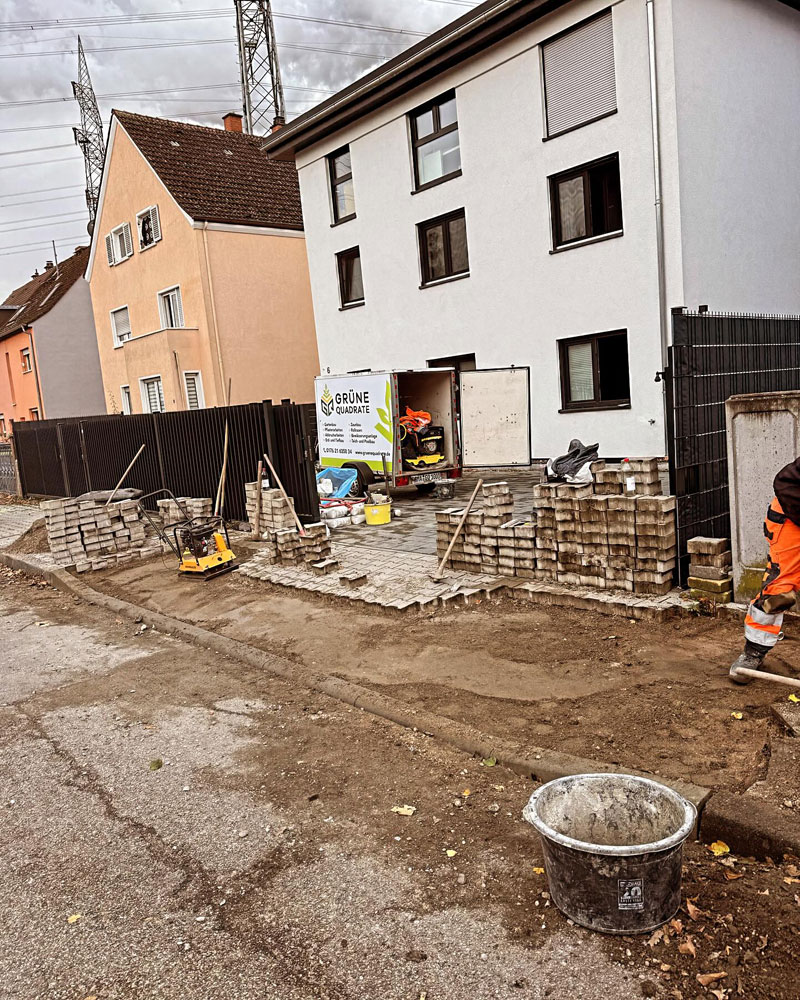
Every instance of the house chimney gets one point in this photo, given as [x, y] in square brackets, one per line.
[35, 273]
[279, 122]
[48, 265]
[232, 122]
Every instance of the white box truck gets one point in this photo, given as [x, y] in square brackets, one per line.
[483, 420]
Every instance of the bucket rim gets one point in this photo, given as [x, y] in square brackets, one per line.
[531, 814]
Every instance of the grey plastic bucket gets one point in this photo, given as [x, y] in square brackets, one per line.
[613, 848]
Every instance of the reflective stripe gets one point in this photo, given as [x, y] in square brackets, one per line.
[759, 617]
[759, 637]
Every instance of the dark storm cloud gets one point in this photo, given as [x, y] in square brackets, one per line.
[41, 77]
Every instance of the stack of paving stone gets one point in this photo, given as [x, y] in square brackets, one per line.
[632, 477]
[478, 547]
[173, 511]
[312, 548]
[710, 573]
[90, 535]
[276, 510]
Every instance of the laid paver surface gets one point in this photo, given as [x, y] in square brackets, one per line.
[262, 859]
[15, 519]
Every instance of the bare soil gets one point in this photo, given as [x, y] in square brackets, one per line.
[334, 773]
[33, 541]
[642, 695]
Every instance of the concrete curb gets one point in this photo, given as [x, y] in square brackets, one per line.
[537, 763]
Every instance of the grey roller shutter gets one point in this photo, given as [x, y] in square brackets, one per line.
[579, 80]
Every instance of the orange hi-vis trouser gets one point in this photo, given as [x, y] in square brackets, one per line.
[782, 575]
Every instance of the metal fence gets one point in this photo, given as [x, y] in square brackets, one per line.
[183, 453]
[8, 479]
[715, 356]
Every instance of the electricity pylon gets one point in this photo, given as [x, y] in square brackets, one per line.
[262, 91]
[90, 134]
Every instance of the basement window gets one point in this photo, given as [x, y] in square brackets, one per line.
[594, 371]
[586, 202]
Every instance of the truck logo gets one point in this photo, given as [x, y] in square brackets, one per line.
[326, 402]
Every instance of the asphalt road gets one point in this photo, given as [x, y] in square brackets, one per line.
[177, 826]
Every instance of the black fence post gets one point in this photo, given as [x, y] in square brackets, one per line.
[158, 451]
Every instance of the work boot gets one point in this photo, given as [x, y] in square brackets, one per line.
[752, 658]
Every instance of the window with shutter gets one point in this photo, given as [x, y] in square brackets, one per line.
[119, 244]
[170, 308]
[579, 80]
[152, 395]
[110, 250]
[194, 390]
[121, 325]
[148, 225]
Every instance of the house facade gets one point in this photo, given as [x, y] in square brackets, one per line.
[537, 185]
[49, 365]
[198, 270]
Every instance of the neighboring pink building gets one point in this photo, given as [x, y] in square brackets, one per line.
[198, 270]
[48, 350]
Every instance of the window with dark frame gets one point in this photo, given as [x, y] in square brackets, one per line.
[351, 285]
[443, 247]
[435, 143]
[342, 191]
[594, 371]
[586, 202]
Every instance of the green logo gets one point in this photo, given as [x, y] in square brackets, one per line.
[326, 402]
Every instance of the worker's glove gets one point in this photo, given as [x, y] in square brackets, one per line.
[774, 603]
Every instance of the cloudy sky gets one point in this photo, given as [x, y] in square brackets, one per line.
[172, 58]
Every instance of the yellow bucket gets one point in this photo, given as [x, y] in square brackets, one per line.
[378, 513]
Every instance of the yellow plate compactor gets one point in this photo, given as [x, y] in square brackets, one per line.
[200, 543]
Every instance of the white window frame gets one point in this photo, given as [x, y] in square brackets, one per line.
[201, 396]
[26, 356]
[117, 341]
[114, 234]
[126, 400]
[161, 312]
[2, 423]
[31, 411]
[153, 212]
[143, 392]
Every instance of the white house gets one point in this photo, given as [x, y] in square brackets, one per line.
[540, 182]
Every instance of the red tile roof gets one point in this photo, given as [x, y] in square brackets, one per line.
[216, 175]
[41, 293]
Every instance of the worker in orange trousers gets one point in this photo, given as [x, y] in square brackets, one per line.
[779, 589]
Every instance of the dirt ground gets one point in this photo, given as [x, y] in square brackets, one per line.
[262, 858]
[642, 695]
[33, 541]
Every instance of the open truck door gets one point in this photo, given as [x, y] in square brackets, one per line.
[495, 417]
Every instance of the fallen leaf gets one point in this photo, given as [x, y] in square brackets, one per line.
[792, 881]
[156, 764]
[707, 978]
[489, 761]
[687, 947]
[794, 698]
[732, 876]
[727, 862]
[737, 715]
[538, 871]
[656, 937]
[404, 810]
[450, 853]
[719, 994]
[764, 893]
[718, 848]
[793, 870]
[677, 926]
[694, 911]
[74, 918]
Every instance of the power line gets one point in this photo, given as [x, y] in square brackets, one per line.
[38, 201]
[37, 225]
[38, 163]
[36, 149]
[36, 243]
[38, 218]
[59, 187]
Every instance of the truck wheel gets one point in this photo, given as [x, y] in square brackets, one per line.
[366, 477]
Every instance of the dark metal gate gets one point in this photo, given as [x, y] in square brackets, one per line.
[8, 479]
[715, 356]
[183, 453]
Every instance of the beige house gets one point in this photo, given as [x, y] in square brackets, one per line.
[198, 270]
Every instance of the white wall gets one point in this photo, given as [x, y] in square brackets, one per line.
[66, 352]
[519, 299]
[737, 68]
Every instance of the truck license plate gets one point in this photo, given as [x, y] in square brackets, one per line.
[430, 477]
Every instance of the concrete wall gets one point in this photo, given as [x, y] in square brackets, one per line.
[737, 75]
[763, 436]
[66, 350]
[519, 298]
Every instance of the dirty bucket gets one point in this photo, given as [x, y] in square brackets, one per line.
[613, 847]
[378, 513]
